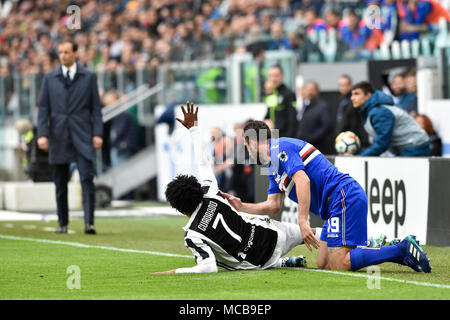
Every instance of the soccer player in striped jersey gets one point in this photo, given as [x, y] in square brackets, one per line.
[216, 233]
[299, 170]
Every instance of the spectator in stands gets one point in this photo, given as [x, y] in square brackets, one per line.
[435, 141]
[314, 24]
[135, 33]
[222, 161]
[255, 76]
[374, 21]
[266, 22]
[315, 124]
[401, 97]
[389, 20]
[305, 5]
[6, 88]
[294, 23]
[418, 17]
[347, 117]
[411, 89]
[335, 23]
[279, 40]
[281, 103]
[123, 137]
[333, 20]
[355, 34]
[241, 182]
[390, 127]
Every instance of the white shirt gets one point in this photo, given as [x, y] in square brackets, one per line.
[72, 70]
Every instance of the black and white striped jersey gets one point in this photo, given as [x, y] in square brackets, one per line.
[216, 231]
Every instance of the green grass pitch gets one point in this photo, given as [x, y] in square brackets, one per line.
[38, 270]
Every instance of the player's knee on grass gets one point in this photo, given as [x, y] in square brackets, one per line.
[322, 264]
[322, 255]
[338, 258]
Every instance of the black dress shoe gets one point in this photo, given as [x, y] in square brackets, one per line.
[90, 229]
[61, 229]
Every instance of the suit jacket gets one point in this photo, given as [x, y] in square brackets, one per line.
[316, 126]
[351, 121]
[69, 115]
[282, 109]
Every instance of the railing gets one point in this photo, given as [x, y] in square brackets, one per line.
[136, 97]
[139, 97]
[206, 82]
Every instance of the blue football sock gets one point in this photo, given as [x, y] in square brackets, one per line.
[363, 257]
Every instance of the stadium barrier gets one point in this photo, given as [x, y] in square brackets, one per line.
[36, 196]
[439, 113]
[405, 196]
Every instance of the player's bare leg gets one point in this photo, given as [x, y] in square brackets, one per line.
[333, 258]
[322, 256]
[339, 258]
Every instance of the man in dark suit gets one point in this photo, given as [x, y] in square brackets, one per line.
[281, 103]
[70, 127]
[315, 124]
[348, 118]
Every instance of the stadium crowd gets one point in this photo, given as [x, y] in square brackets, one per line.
[145, 33]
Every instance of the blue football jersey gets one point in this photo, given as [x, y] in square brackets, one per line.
[290, 155]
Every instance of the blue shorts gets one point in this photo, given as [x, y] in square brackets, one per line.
[347, 223]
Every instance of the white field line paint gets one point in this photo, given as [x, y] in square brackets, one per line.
[426, 284]
[82, 245]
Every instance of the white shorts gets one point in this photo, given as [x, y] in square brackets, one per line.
[289, 236]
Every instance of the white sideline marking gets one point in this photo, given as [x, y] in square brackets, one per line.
[426, 284]
[156, 253]
[82, 245]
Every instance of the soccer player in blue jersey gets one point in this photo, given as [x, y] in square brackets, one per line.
[299, 170]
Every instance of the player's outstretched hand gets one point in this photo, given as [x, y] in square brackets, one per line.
[234, 201]
[190, 116]
[166, 272]
[309, 236]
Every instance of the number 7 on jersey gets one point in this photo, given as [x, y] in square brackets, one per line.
[216, 222]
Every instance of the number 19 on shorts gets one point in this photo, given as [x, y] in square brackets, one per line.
[333, 225]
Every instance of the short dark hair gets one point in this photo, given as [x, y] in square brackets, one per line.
[346, 76]
[333, 11]
[352, 12]
[73, 43]
[277, 66]
[365, 86]
[261, 129]
[411, 72]
[184, 193]
[312, 10]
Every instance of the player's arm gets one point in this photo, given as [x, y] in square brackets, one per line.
[302, 185]
[204, 256]
[201, 156]
[271, 206]
[383, 123]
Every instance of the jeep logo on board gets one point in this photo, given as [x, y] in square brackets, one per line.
[386, 198]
